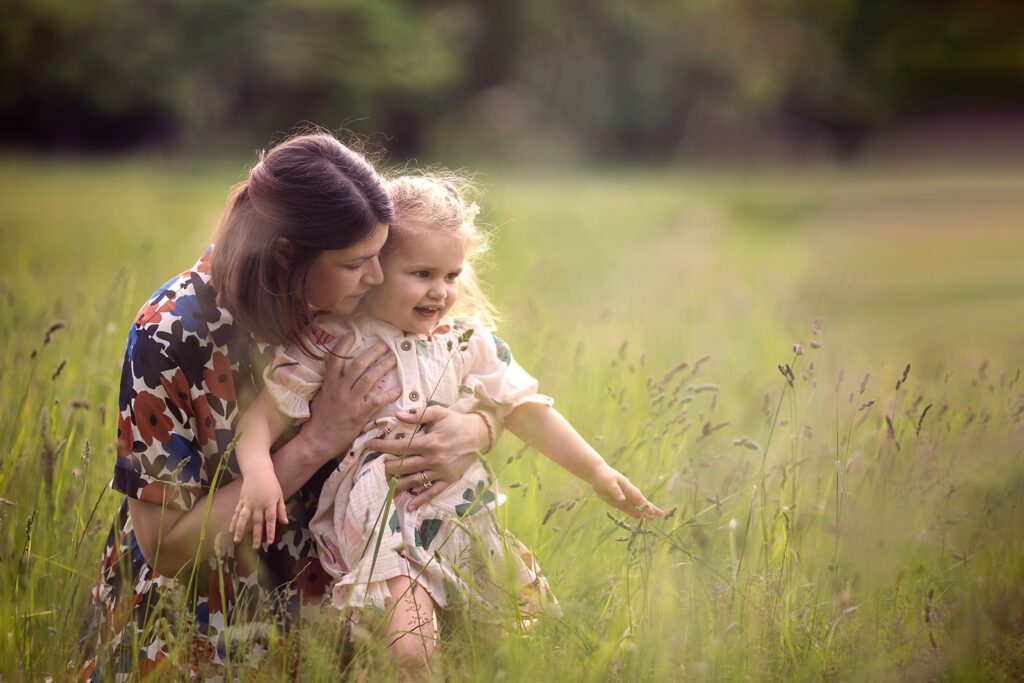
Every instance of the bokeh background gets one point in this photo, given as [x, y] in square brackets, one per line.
[666, 182]
[609, 80]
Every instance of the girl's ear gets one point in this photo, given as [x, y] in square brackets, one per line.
[282, 252]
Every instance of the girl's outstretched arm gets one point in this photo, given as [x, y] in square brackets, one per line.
[261, 500]
[545, 429]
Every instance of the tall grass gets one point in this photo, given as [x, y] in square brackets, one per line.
[845, 492]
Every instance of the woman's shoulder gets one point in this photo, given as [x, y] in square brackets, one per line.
[186, 306]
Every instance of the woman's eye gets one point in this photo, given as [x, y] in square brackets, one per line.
[351, 267]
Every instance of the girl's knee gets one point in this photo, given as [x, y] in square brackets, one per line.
[413, 624]
[411, 651]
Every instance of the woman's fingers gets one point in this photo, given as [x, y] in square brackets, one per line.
[359, 366]
[407, 465]
[376, 400]
[336, 358]
[417, 445]
[364, 384]
[417, 480]
[428, 494]
[427, 416]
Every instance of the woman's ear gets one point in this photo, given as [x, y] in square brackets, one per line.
[282, 253]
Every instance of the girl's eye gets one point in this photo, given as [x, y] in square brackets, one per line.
[421, 273]
[451, 277]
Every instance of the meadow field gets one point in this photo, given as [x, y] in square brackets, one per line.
[817, 370]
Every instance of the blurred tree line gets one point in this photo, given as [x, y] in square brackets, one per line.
[641, 79]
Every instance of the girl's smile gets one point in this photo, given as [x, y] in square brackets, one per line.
[420, 280]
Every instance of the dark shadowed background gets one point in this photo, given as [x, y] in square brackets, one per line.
[533, 79]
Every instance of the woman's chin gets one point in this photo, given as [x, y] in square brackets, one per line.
[347, 306]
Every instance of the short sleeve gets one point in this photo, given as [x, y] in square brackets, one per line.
[159, 459]
[494, 378]
[292, 379]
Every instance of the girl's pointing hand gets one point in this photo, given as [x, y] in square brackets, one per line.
[614, 488]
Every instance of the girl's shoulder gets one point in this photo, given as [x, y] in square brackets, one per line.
[463, 324]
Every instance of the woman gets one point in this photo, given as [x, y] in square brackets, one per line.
[302, 233]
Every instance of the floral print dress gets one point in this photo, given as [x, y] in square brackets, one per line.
[187, 372]
[451, 546]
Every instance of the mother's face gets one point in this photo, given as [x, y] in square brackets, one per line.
[338, 278]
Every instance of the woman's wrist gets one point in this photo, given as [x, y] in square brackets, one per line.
[311, 450]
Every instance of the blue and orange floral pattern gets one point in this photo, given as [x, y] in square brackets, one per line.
[187, 371]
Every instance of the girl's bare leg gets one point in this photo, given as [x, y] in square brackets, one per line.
[412, 629]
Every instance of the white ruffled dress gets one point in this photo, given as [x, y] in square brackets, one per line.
[452, 546]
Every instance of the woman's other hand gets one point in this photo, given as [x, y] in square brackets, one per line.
[442, 450]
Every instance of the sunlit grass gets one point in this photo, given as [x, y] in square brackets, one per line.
[813, 535]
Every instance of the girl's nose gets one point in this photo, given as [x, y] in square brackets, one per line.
[436, 293]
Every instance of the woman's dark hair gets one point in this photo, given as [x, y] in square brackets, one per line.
[318, 195]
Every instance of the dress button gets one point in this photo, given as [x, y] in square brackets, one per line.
[414, 395]
[406, 345]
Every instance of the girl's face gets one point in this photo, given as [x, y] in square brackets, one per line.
[338, 278]
[421, 280]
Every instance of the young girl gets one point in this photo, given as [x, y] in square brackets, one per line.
[434, 318]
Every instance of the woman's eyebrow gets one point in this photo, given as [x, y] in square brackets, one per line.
[360, 259]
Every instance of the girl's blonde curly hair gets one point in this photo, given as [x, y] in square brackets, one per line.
[438, 201]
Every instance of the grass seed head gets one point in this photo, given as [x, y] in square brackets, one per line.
[54, 327]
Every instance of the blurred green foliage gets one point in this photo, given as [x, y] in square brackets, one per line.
[586, 79]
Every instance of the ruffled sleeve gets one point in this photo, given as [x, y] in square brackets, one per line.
[292, 378]
[493, 377]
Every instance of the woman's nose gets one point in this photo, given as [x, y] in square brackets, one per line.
[373, 275]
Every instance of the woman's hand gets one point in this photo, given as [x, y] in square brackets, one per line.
[442, 450]
[346, 400]
[614, 488]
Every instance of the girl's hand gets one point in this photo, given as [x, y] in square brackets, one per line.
[615, 489]
[440, 453]
[261, 501]
[346, 400]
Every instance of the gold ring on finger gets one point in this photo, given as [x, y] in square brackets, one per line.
[426, 482]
